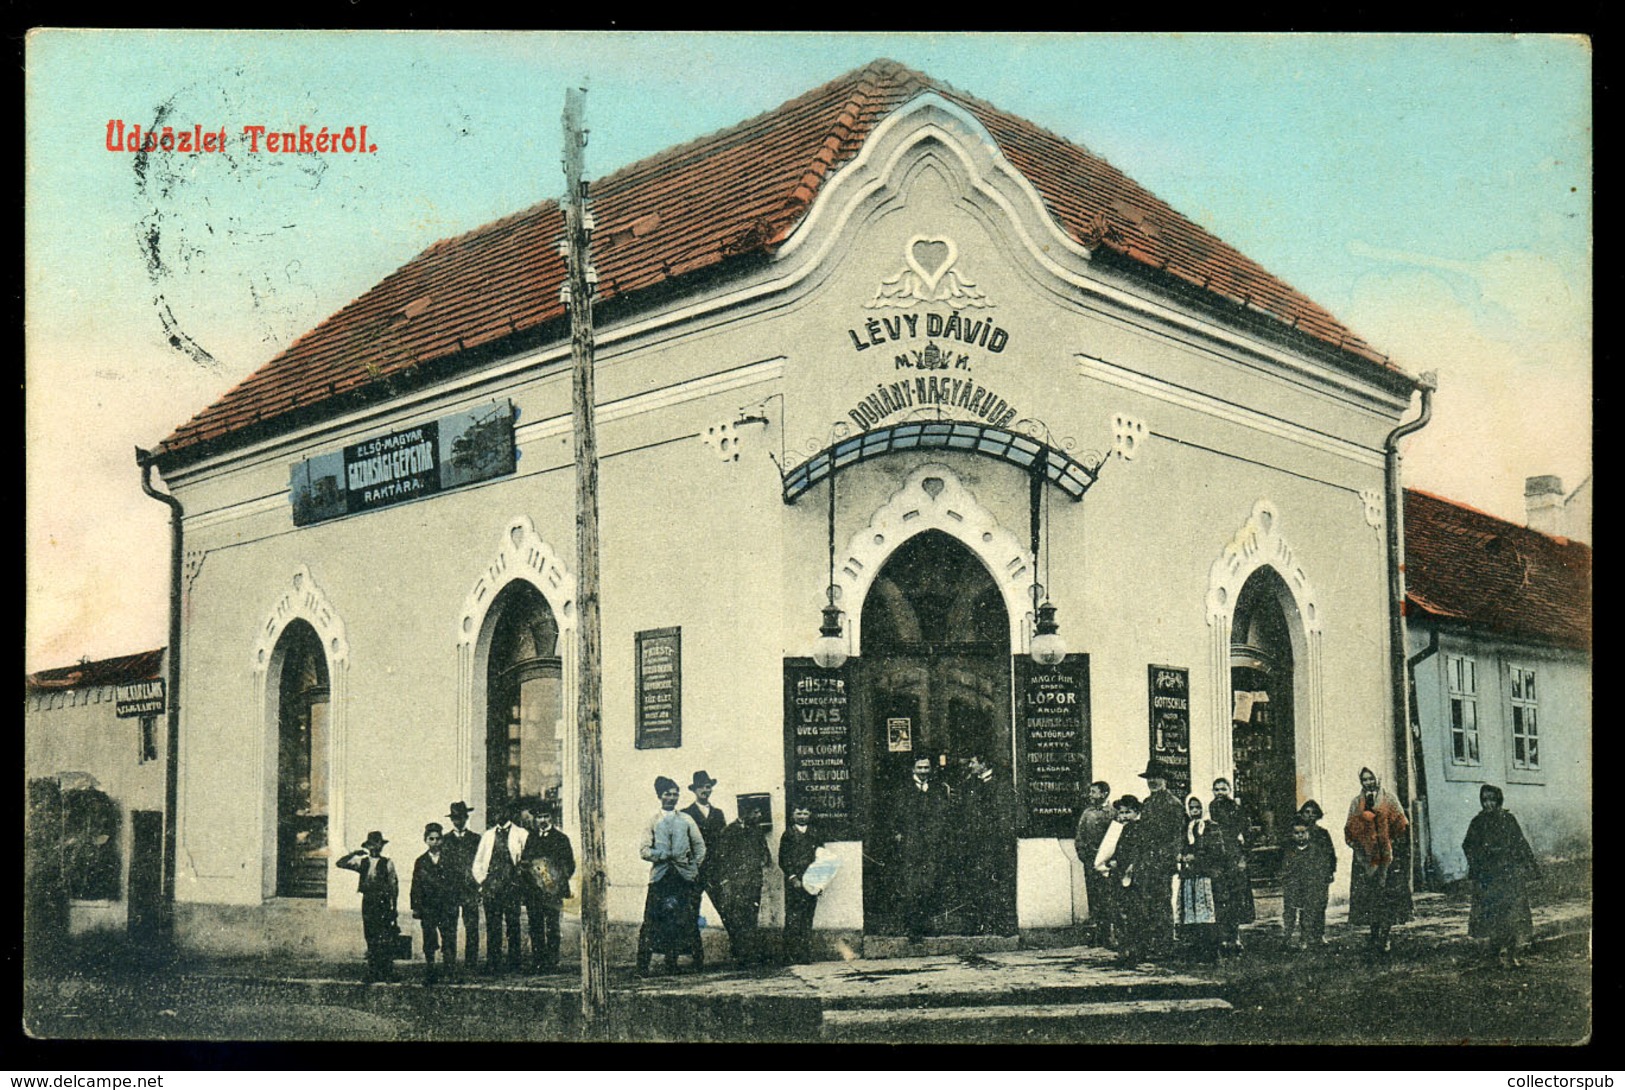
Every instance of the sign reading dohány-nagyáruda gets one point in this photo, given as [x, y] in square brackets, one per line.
[818, 745]
[1170, 689]
[1052, 745]
[139, 699]
[408, 464]
[660, 688]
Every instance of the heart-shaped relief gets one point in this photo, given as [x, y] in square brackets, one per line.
[933, 486]
[930, 258]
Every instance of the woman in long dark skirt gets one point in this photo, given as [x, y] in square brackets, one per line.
[1499, 864]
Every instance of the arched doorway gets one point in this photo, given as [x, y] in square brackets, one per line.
[933, 681]
[1263, 727]
[524, 736]
[303, 701]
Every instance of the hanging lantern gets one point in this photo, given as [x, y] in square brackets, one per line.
[1048, 648]
[829, 649]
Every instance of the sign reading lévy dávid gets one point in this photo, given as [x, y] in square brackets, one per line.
[1052, 745]
[139, 699]
[660, 688]
[454, 450]
[1170, 688]
[818, 745]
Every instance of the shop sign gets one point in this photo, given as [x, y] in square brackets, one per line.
[1052, 745]
[935, 392]
[818, 745]
[476, 445]
[659, 653]
[139, 699]
[1170, 692]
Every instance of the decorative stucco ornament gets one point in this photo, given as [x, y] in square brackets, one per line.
[929, 276]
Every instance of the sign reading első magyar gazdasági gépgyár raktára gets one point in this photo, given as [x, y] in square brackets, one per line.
[473, 445]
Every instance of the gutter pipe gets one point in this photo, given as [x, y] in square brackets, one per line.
[1398, 670]
[172, 657]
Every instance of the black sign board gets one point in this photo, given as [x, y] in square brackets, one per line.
[818, 745]
[1052, 745]
[659, 653]
[1170, 693]
[459, 449]
[139, 699]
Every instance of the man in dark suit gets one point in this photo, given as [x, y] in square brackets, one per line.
[1162, 830]
[920, 813]
[549, 862]
[987, 825]
[459, 845]
[436, 887]
[711, 821]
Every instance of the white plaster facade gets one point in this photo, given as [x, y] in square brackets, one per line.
[1230, 452]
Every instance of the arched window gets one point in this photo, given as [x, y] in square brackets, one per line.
[302, 764]
[524, 736]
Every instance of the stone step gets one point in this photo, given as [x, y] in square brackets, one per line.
[1019, 1018]
[898, 946]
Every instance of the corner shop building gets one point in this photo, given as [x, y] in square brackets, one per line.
[981, 337]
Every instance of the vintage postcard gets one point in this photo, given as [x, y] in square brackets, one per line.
[764, 537]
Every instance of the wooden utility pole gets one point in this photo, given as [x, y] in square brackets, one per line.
[589, 697]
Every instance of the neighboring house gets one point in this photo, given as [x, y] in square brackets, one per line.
[1499, 628]
[93, 756]
[886, 328]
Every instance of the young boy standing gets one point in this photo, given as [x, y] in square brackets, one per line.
[1307, 867]
[380, 890]
[436, 893]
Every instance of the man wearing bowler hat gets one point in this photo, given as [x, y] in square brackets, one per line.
[711, 821]
[380, 890]
[459, 844]
[496, 869]
[1162, 824]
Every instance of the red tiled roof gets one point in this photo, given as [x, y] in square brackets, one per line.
[123, 670]
[1465, 566]
[694, 206]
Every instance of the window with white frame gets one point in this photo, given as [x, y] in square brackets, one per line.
[1525, 718]
[1461, 674]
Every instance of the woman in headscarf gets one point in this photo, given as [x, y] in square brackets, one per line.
[1201, 853]
[1232, 887]
[1380, 885]
[1499, 863]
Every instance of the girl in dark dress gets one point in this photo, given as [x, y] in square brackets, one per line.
[1499, 864]
[1201, 855]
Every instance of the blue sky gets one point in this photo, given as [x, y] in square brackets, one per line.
[1432, 191]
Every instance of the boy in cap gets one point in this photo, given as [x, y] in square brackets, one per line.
[798, 847]
[550, 863]
[673, 847]
[380, 891]
[459, 844]
[436, 887]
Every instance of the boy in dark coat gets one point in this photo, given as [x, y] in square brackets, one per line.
[798, 847]
[436, 894]
[1307, 868]
[380, 892]
[550, 863]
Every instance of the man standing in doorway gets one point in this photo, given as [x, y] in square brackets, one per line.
[711, 821]
[1162, 824]
[1092, 825]
[496, 869]
[921, 813]
[459, 845]
[987, 823]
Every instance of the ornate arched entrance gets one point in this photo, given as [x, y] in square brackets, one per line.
[1263, 723]
[933, 682]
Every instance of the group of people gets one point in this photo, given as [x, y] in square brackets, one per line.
[1163, 878]
[522, 863]
[695, 852]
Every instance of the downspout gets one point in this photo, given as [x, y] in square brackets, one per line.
[1397, 671]
[1424, 871]
[172, 657]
